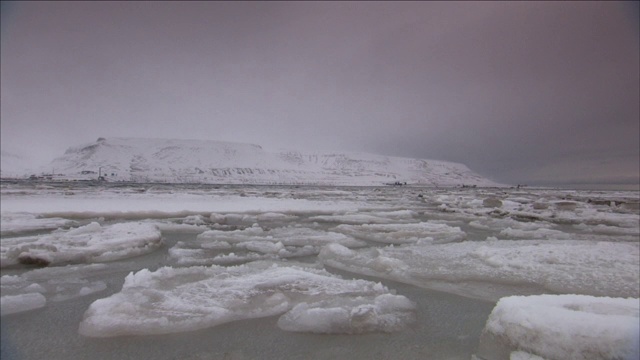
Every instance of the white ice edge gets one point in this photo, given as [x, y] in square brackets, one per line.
[173, 300]
[563, 327]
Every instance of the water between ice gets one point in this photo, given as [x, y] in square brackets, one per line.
[448, 326]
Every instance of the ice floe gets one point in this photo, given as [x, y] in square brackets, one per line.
[522, 242]
[16, 223]
[495, 268]
[11, 304]
[404, 233]
[387, 312]
[558, 327]
[85, 244]
[255, 243]
[23, 292]
[173, 300]
[550, 206]
[162, 204]
[373, 217]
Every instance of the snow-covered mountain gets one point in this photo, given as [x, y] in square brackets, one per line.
[199, 161]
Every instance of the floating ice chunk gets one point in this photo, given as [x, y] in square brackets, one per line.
[535, 234]
[34, 288]
[387, 313]
[183, 256]
[217, 218]
[194, 220]
[55, 283]
[182, 228]
[89, 243]
[510, 222]
[264, 247]
[182, 299]
[519, 199]
[189, 257]
[92, 288]
[303, 318]
[217, 245]
[295, 236]
[350, 219]
[404, 233]
[15, 223]
[551, 207]
[68, 271]
[233, 258]
[522, 225]
[234, 219]
[522, 355]
[11, 304]
[255, 243]
[340, 250]
[378, 217]
[495, 268]
[234, 236]
[71, 290]
[480, 225]
[274, 217]
[370, 261]
[387, 265]
[18, 285]
[397, 214]
[562, 327]
[610, 230]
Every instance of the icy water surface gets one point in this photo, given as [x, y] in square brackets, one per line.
[451, 252]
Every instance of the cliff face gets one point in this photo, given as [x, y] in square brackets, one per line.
[198, 161]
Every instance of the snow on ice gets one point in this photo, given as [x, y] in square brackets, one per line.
[16, 223]
[494, 268]
[34, 288]
[487, 244]
[84, 244]
[162, 204]
[182, 299]
[404, 233]
[256, 243]
[557, 327]
[377, 217]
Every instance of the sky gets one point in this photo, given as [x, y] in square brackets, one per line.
[521, 92]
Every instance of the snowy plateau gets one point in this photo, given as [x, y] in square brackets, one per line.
[209, 162]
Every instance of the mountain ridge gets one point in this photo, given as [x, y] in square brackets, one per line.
[205, 161]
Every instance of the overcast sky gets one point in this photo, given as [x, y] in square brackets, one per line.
[521, 92]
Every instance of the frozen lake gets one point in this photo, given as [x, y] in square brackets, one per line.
[281, 272]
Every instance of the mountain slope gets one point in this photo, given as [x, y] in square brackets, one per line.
[199, 161]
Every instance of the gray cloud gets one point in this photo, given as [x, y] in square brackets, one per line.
[531, 92]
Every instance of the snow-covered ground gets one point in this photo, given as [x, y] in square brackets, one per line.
[200, 161]
[381, 272]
